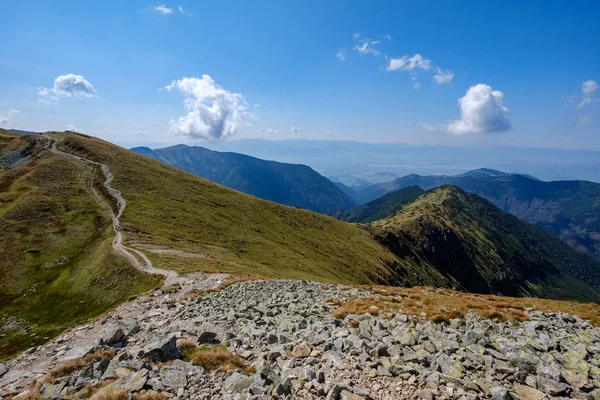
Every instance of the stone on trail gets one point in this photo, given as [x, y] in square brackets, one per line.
[50, 391]
[111, 334]
[3, 369]
[301, 351]
[237, 382]
[162, 346]
[173, 377]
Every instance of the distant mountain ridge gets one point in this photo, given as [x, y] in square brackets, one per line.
[567, 209]
[289, 184]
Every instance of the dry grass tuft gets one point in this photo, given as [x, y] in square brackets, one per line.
[219, 358]
[442, 305]
[187, 348]
[150, 395]
[112, 394]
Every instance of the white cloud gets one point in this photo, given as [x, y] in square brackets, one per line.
[482, 110]
[213, 113]
[356, 35]
[588, 88]
[9, 120]
[416, 85]
[408, 63]
[442, 76]
[341, 55]
[184, 12]
[69, 85]
[73, 128]
[366, 46]
[268, 130]
[388, 37]
[163, 10]
[328, 133]
[294, 129]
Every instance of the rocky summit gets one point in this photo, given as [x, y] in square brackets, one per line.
[278, 339]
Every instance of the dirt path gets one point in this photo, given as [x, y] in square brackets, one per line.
[145, 265]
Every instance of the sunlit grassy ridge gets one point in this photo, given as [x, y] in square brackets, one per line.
[56, 266]
[235, 232]
[465, 242]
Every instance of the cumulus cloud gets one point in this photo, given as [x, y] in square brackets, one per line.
[341, 55]
[213, 113]
[482, 110]
[294, 129]
[9, 120]
[588, 88]
[366, 46]
[408, 63]
[328, 133]
[69, 85]
[163, 10]
[388, 37]
[442, 76]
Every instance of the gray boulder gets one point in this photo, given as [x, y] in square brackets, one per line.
[162, 346]
[111, 334]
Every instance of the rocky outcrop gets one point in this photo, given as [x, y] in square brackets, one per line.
[285, 332]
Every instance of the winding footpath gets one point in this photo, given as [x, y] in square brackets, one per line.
[117, 244]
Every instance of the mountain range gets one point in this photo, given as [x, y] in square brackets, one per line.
[289, 184]
[59, 266]
[569, 210]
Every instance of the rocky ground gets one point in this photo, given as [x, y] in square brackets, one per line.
[292, 347]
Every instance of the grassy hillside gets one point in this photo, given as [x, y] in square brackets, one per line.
[227, 230]
[56, 267]
[380, 208]
[465, 242]
[289, 184]
[567, 209]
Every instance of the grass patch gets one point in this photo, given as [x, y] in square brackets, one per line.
[442, 305]
[57, 269]
[218, 358]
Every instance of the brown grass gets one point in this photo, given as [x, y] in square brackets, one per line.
[219, 358]
[187, 348]
[150, 395]
[442, 305]
[112, 394]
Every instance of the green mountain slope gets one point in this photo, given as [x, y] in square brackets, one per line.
[461, 240]
[56, 267]
[567, 209]
[288, 184]
[380, 208]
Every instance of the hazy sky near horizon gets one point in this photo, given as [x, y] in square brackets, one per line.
[451, 73]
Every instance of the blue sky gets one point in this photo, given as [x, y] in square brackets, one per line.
[526, 71]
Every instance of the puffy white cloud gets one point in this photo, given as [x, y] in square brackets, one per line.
[388, 37]
[213, 113]
[366, 46]
[589, 87]
[69, 85]
[294, 129]
[341, 55]
[482, 110]
[408, 63]
[9, 120]
[442, 76]
[163, 10]
[73, 85]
